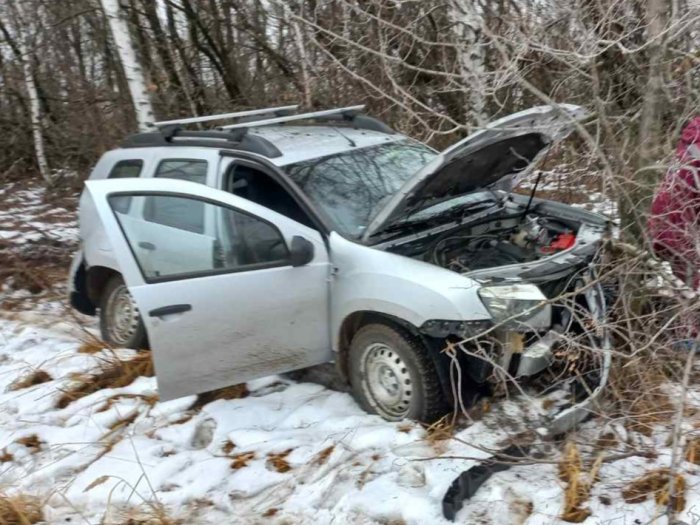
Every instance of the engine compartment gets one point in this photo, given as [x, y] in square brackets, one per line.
[492, 242]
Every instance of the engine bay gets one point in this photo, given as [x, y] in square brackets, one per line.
[493, 242]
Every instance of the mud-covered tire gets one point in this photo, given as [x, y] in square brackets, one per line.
[392, 375]
[120, 322]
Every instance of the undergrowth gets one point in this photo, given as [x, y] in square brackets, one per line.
[113, 373]
[20, 509]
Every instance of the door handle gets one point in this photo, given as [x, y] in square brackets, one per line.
[172, 309]
[147, 245]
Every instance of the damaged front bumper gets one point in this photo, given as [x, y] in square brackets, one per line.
[572, 415]
[518, 355]
[539, 355]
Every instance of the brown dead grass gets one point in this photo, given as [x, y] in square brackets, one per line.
[92, 346]
[323, 456]
[692, 451]
[655, 484]
[230, 392]
[271, 512]
[150, 400]
[579, 483]
[405, 428]
[5, 456]
[35, 377]
[442, 430]
[20, 510]
[228, 447]
[113, 373]
[147, 514]
[241, 460]
[639, 395]
[32, 442]
[278, 461]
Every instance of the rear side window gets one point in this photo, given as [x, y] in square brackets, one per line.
[126, 169]
[184, 214]
[183, 169]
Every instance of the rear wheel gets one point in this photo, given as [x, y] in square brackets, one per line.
[120, 321]
[392, 375]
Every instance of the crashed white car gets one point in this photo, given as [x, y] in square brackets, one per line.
[287, 240]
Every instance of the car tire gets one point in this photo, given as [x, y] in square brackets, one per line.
[392, 375]
[120, 321]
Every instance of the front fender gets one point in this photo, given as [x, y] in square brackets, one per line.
[371, 280]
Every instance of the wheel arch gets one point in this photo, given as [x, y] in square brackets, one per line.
[96, 279]
[356, 320]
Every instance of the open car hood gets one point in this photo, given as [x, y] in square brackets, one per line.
[498, 154]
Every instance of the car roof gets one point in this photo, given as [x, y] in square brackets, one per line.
[279, 144]
[299, 143]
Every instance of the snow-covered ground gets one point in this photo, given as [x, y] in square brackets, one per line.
[291, 451]
[218, 464]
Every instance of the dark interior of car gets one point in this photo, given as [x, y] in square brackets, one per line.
[258, 187]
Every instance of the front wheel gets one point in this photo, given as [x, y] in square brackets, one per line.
[392, 375]
[120, 322]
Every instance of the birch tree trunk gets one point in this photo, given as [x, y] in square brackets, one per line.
[23, 29]
[466, 23]
[143, 110]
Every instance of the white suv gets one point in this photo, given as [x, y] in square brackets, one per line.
[264, 247]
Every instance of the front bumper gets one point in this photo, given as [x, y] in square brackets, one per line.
[539, 355]
[571, 416]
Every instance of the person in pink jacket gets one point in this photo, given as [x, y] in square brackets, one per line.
[674, 224]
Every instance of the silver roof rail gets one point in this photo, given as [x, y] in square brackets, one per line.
[290, 118]
[238, 114]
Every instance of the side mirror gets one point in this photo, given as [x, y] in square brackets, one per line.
[301, 252]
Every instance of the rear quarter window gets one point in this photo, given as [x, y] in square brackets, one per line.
[126, 169]
[183, 214]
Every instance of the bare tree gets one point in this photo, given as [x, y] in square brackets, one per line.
[119, 27]
[24, 29]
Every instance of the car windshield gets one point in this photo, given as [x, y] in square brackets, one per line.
[352, 186]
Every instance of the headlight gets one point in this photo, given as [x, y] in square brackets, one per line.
[517, 305]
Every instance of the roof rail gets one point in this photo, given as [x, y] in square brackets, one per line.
[348, 112]
[281, 110]
[210, 139]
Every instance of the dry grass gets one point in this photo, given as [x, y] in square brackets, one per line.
[241, 460]
[579, 483]
[5, 456]
[92, 346]
[228, 447]
[278, 461]
[692, 451]
[150, 400]
[35, 377]
[443, 429]
[32, 442]
[638, 392]
[323, 456]
[113, 373]
[230, 392]
[655, 484]
[20, 510]
[147, 514]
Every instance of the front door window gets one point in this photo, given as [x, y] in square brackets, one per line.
[183, 247]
